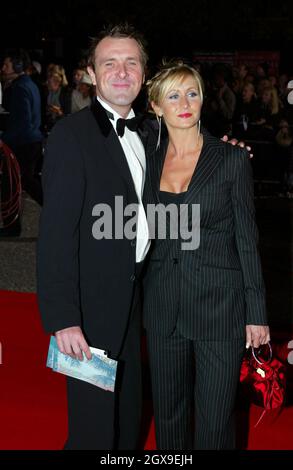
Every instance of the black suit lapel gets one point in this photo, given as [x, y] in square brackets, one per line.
[156, 163]
[101, 118]
[210, 157]
[112, 143]
[143, 134]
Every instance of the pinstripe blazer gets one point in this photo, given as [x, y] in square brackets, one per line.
[213, 291]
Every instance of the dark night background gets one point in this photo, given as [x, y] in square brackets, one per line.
[61, 29]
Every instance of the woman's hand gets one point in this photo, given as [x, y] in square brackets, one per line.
[256, 335]
[56, 109]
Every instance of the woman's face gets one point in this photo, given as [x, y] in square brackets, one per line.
[266, 97]
[77, 75]
[53, 84]
[182, 104]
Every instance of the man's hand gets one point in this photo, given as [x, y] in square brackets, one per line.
[256, 335]
[241, 144]
[71, 341]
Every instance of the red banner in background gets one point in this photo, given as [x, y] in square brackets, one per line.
[234, 59]
[214, 57]
[253, 58]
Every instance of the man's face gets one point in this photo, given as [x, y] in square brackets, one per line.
[118, 74]
[247, 93]
[77, 76]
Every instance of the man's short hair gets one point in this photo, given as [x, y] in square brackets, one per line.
[20, 59]
[122, 30]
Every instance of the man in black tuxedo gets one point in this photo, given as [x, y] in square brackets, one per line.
[88, 285]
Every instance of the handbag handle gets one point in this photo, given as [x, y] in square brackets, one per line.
[256, 358]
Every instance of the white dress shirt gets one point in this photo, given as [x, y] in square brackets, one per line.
[135, 156]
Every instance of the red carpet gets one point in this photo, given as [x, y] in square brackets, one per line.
[33, 398]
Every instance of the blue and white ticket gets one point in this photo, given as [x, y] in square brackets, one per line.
[99, 371]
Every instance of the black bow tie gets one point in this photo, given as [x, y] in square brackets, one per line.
[131, 123]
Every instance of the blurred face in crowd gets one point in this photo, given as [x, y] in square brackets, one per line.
[242, 71]
[266, 96]
[181, 105]
[249, 78]
[54, 82]
[219, 81]
[262, 84]
[118, 74]
[273, 80]
[84, 89]
[248, 93]
[77, 75]
[260, 71]
[7, 68]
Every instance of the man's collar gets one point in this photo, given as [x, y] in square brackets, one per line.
[100, 114]
[101, 117]
[111, 110]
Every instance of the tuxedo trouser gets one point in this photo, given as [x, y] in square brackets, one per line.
[194, 385]
[102, 420]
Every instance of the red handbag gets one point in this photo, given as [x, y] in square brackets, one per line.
[264, 379]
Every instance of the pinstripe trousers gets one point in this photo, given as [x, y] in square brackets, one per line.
[194, 386]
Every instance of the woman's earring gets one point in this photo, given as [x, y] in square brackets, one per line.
[198, 128]
[159, 119]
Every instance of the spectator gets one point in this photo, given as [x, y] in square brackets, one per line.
[23, 133]
[220, 105]
[58, 99]
[82, 96]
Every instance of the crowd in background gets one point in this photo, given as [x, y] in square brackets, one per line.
[249, 103]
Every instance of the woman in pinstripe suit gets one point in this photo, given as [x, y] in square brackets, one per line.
[201, 305]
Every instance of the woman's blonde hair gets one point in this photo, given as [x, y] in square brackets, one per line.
[55, 69]
[168, 76]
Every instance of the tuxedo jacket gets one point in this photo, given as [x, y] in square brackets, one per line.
[82, 281]
[210, 292]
